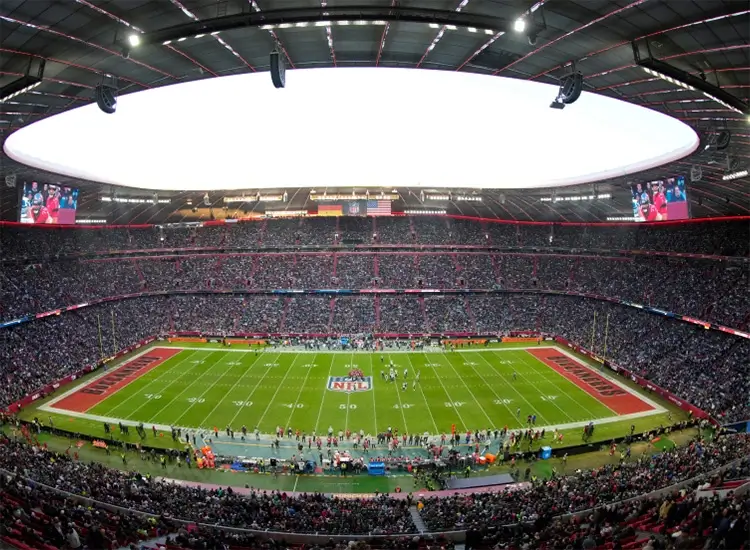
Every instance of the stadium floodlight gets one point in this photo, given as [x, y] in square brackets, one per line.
[519, 25]
[571, 86]
[106, 98]
[18, 87]
[134, 40]
[735, 175]
[278, 69]
[678, 77]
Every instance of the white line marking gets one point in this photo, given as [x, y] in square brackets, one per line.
[269, 437]
[249, 368]
[273, 397]
[414, 377]
[474, 397]
[522, 396]
[179, 394]
[557, 387]
[619, 383]
[252, 392]
[561, 388]
[374, 404]
[299, 393]
[398, 394]
[450, 399]
[103, 372]
[500, 399]
[210, 386]
[323, 400]
[167, 372]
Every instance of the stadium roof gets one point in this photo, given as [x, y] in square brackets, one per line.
[82, 43]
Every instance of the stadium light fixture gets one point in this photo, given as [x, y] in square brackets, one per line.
[519, 25]
[735, 175]
[678, 77]
[571, 87]
[134, 40]
[24, 84]
[424, 212]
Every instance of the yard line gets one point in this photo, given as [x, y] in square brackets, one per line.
[398, 394]
[210, 387]
[372, 390]
[541, 416]
[561, 387]
[257, 358]
[273, 398]
[320, 411]
[180, 377]
[429, 410]
[557, 388]
[252, 392]
[500, 399]
[491, 423]
[460, 418]
[162, 375]
[299, 393]
[184, 390]
[348, 397]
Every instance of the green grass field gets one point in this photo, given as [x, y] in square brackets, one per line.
[203, 387]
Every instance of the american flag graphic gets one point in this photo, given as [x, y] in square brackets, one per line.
[378, 208]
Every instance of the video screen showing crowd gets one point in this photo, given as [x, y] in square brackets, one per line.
[48, 203]
[660, 200]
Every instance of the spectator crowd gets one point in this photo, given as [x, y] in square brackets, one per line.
[709, 369]
[42, 271]
[35, 513]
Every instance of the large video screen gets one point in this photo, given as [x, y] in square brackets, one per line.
[48, 203]
[660, 200]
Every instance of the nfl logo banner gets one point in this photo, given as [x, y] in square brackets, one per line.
[349, 384]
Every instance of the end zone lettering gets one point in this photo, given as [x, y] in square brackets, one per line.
[601, 385]
[106, 382]
[348, 384]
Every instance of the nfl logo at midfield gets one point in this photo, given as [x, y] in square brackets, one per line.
[348, 384]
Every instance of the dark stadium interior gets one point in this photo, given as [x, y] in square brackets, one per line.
[460, 262]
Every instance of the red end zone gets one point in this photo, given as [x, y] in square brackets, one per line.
[612, 395]
[100, 389]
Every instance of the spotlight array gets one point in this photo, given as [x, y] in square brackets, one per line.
[19, 92]
[134, 200]
[424, 212]
[687, 81]
[735, 175]
[576, 198]
[669, 79]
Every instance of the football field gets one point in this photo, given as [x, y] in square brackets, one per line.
[473, 389]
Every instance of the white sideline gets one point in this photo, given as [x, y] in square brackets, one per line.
[657, 409]
[272, 437]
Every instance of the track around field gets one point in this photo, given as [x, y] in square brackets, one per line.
[105, 386]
